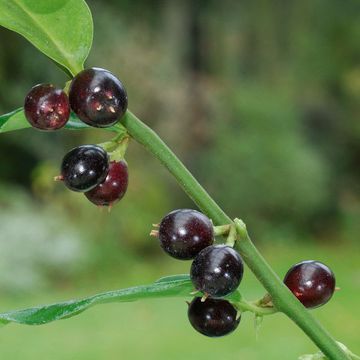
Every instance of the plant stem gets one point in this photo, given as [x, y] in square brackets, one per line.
[152, 142]
[283, 299]
[232, 237]
[222, 230]
[257, 310]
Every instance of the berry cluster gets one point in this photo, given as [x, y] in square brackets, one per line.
[99, 99]
[87, 169]
[217, 270]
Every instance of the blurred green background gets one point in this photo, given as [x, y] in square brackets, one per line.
[261, 101]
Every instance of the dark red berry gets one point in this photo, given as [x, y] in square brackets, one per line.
[114, 186]
[84, 167]
[184, 233]
[213, 317]
[46, 107]
[97, 97]
[312, 282]
[217, 270]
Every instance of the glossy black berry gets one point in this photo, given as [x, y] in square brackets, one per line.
[213, 317]
[217, 270]
[312, 282]
[84, 167]
[113, 188]
[97, 97]
[46, 107]
[184, 233]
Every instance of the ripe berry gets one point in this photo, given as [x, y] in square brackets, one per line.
[217, 270]
[184, 233]
[84, 167]
[114, 186]
[213, 317]
[46, 107]
[312, 282]
[97, 97]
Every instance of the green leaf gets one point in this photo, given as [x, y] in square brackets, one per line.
[320, 356]
[170, 286]
[61, 29]
[47, 313]
[16, 120]
[173, 278]
[44, 314]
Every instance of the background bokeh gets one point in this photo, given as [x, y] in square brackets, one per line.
[261, 101]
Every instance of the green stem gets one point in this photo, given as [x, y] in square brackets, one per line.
[282, 297]
[232, 237]
[152, 142]
[257, 310]
[222, 230]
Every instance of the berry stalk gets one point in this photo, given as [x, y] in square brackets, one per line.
[283, 299]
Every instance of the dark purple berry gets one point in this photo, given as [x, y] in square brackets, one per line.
[84, 167]
[312, 282]
[217, 270]
[213, 317]
[46, 107]
[113, 188]
[98, 97]
[184, 233]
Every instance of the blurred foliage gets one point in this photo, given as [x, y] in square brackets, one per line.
[261, 101]
[262, 160]
[34, 239]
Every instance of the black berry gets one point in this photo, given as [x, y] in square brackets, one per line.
[184, 233]
[46, 107]
[217, 270]
[114, 186]
[84, 167]
[97, 97]
[312, 282]
[213, 317]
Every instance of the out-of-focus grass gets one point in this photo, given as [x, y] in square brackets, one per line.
[158, 329]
